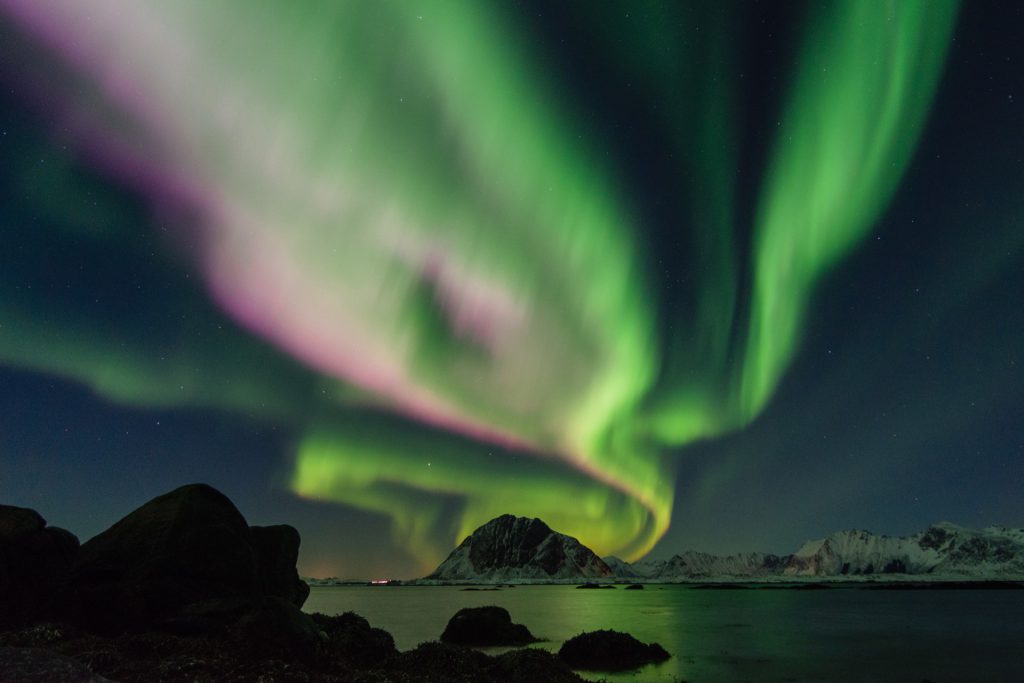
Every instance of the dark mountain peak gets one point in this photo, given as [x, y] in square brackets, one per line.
[510, 547]
[510, 524]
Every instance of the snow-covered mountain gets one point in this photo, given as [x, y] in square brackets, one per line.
[692, 564]
[622, 569]
[519, 549]
[942, 550]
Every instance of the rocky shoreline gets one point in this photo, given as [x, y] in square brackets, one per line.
[183, 589]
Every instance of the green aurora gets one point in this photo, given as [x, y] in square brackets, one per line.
[427, 263]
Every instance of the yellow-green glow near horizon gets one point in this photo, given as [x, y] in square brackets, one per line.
[397, 200]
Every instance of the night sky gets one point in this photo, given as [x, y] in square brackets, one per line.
[667, 275]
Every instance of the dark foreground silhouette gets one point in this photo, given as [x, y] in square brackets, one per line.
[184, 589]
[485, 626]
[610, 651]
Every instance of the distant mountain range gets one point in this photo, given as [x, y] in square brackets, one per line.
[520, 549]
[942, 550]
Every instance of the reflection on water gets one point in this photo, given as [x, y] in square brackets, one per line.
[843, 634]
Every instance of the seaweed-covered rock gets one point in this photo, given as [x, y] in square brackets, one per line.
[33, 665]
[484, 626]
[609, 651]
[442, 663]
[350, 637]
[250, 646]
[434, 661]
[275, 628]
[530, 665]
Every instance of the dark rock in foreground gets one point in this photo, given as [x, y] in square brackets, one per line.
[441, 663]
[35, 565]
[635, 587]
[594, 586]
[532, 666]
[274, 627]
[609, 651]
[485, 626]
[183, 589]
[277, 553]
[187, 546]
[439, 657]
[353, 652]
[34, 665]
[351, 638]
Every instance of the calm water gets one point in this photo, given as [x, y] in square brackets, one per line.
[739, 635]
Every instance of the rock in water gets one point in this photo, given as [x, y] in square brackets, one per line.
[609, 651]
[350, 637]
[519, 548]
[35, 565]
[485, 626]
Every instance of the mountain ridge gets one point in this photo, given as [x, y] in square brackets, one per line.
[942, 550]
[524, 550]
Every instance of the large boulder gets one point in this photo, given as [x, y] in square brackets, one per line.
[185, 546]
[277, 551]
[35, 565]
[17, 524]
[485, 626]
[609, 651]
[351, 638]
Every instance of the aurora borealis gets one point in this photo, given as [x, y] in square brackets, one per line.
[474, 258]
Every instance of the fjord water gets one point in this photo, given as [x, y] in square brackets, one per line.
[750, 634]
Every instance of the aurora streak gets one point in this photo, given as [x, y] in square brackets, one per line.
[450, 292]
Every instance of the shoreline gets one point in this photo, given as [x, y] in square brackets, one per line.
[908, 583]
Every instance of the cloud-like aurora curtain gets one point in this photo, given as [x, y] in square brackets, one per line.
[449, 292]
